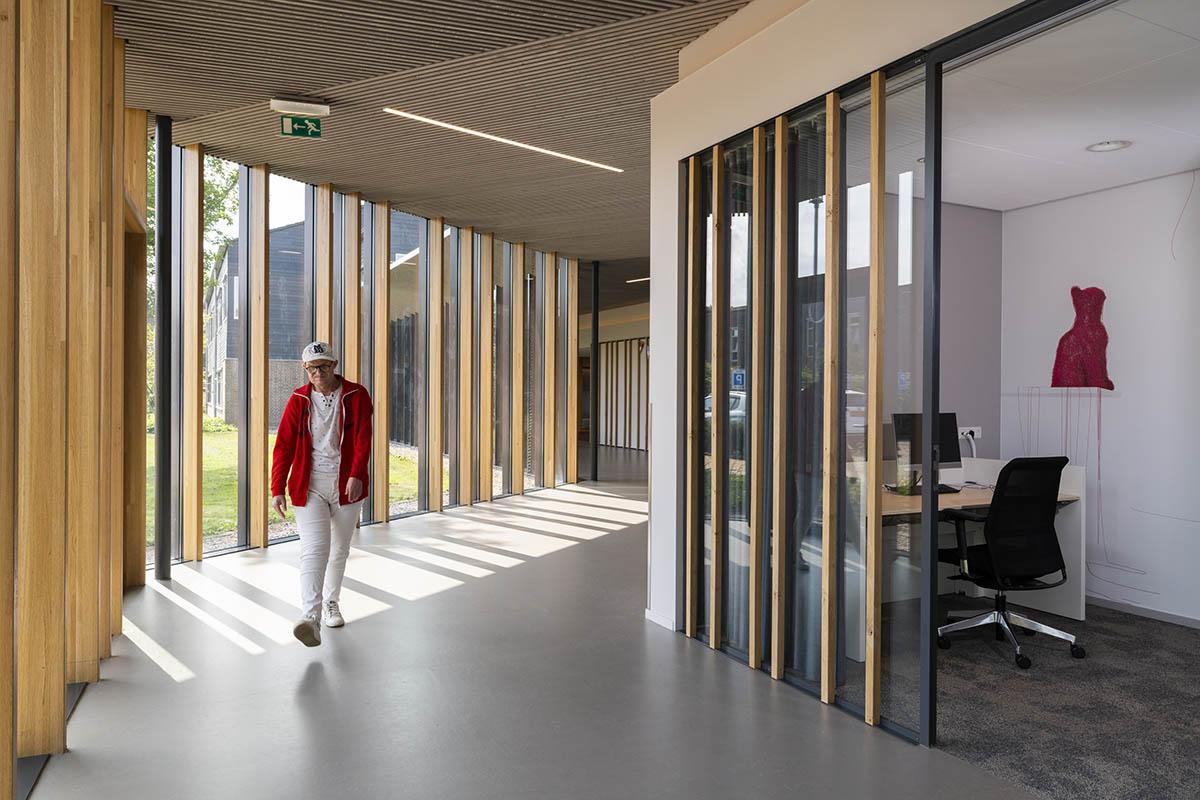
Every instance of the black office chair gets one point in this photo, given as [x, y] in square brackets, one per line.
[1020, 549]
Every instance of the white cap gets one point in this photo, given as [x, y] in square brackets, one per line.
[318, 351]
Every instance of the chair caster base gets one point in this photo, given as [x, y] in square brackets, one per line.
[1077, 651]
[943, 642]
[1023, 661]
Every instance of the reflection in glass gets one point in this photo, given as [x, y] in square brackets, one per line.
[767, 383]
[738, 180]
[450, 366]
[584, 373]
[406, 362]
[501, 365]
[366, 282]
[290, 307]
[704, 565]
[222, 352]
[532, 270]
[563, 360]
[806, 218]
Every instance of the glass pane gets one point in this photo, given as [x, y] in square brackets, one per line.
[151, 311]
[480, 358]
[406, 361]
[502, 282]
[533, 371]
[366, 372]
[563, 360]
[767, 381]
[584, 373]
[806, 386]
[290, 307]
[902, 376]
[738, 178]
[222, 354]
[450, 366]
[704, 565]
[854, 329]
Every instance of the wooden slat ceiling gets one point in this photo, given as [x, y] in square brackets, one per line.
[575, 77]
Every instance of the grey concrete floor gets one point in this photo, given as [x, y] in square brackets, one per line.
[492, 652]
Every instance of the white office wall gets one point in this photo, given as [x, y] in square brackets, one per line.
[821, 45]
[1140, 442]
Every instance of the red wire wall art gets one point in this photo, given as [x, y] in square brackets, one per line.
[1082, 356]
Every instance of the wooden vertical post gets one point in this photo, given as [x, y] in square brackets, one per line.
[874, 489]
[466, 363]
[258, 264]
[693, 524]
[435, 332]
[9, 310]
[41, 363]
[104, 483]
[351, 354]
[517, 304]
[572, 361]
[781, 475]
[758, 381]
[832, 434]
[192, 416]
[720, 390]
[381, 317]
[134, 264]
[116, 455]
[83, 342]
[487, 359]
[550, 365]
[323, 261]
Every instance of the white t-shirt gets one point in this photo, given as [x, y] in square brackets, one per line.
[323, 424]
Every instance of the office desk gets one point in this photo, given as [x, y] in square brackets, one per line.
[1067, 600]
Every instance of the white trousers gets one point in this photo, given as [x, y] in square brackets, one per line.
[325, 530]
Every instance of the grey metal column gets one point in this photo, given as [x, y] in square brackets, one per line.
[594, 383]
[162, 347]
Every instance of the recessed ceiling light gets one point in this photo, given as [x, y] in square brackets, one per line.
[501, 139]
[1108, 145]
[638, 280]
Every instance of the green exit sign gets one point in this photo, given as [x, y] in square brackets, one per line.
[308, 127]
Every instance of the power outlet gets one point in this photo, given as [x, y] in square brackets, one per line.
[977, 433]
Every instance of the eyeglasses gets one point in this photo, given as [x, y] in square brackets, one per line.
[319, 369]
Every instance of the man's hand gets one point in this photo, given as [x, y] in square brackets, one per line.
[354, 490]
[280, 504]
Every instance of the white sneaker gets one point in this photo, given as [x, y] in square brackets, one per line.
[333, 614]
[308, 631]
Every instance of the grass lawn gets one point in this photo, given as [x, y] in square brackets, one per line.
[220, 489]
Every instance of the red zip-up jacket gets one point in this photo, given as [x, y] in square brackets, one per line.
[293, 443]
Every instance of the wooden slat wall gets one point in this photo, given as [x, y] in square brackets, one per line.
[720, 361]
[487, 405]
[381, 317]
[104, 483]
[758, 386]
[259, 266]
[517, 306]
[351, 353]
[466, 363]
[116, 350]
[83, 341]
[323, 261]
[134, 516]
[549, 365]
[41, 363]
[622, 380]
[874, 488]
[8, 420]
[191, 420]
[832, 433]
[572, 362]
[434, 438]
[781, 322]
[693, 524]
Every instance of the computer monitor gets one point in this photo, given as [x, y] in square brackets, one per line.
[907, 429]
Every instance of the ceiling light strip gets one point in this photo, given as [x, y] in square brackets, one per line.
[501, 139]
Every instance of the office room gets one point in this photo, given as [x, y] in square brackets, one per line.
[1069, 345]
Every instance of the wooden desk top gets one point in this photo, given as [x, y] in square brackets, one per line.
[897, 505]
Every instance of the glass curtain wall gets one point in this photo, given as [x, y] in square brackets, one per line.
[151, 312]
[222, 350]
[406, 363]
[290, 307]
[584, 374]
[766, 382]
[501, 366]
[904, 323]
[738, 186]
[805, 390]
[704, 346]
[450, 366]
[563, 360]
[532, 271]
[479, 357]
[366, 358]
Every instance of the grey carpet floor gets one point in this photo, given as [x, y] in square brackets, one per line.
[1121, 724]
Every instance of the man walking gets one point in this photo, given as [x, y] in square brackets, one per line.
[322, 450]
